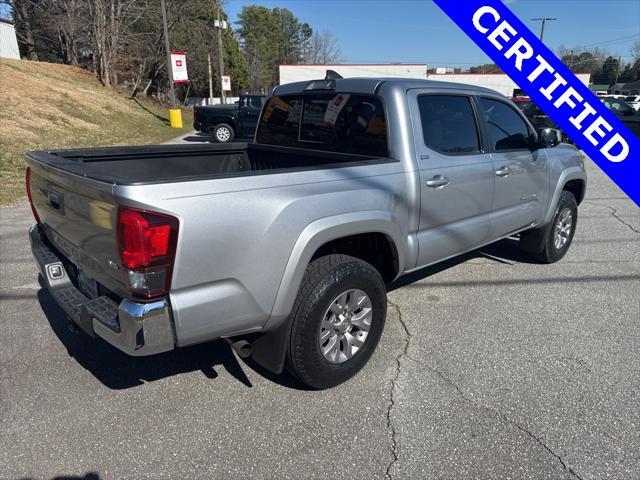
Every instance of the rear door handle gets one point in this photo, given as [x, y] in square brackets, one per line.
[438, 181]
[503, 172]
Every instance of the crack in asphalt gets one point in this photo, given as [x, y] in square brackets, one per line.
[392, 401]
[614, 214]
[498, 414]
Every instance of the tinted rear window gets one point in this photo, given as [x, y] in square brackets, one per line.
[338, 122]
[449, 124]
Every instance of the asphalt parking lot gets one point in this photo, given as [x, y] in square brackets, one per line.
[489, 367]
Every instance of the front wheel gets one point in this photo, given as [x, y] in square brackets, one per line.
[223, 133]
[551, 242]
[338, 318]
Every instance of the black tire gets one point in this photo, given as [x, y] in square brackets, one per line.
[325, 279]
[540, 243]
[223, 133]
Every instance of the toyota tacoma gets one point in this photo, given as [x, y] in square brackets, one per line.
[285, 246]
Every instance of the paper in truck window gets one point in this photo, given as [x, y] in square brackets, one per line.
[335, 107]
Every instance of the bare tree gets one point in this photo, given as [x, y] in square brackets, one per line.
[22, 15]
[635, 50]
[66, 24]
[110, 28]
[323, 48]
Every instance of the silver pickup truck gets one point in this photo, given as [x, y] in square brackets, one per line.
[285, 246]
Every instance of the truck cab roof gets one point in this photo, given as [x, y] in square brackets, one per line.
[372, 85]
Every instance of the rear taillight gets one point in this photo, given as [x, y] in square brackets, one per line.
[147, 243]
[27, 181]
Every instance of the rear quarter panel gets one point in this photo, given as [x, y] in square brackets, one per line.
[237, 236]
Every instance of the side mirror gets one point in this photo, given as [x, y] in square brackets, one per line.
[549, 137]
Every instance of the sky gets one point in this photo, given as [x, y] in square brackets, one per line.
[416, 31]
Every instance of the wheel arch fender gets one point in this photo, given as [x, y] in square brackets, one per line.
[567, 175]
[228, 119]
[325, 230]
[269, 348]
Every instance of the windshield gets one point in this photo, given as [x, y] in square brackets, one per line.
[632, 99]
[616, 105]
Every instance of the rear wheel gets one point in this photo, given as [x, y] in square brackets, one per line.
[338, 318]
[551, 242]
[223, 133]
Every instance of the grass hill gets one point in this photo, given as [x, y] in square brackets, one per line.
[46, 106]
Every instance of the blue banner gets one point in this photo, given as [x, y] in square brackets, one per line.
[553, 87]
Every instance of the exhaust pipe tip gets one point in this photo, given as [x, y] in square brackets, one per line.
[241, 347]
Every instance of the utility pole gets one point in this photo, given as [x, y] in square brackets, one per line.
[210, 79]
[618, 70]
[543, 20]
[571, 61]
[223, 98]
[168, 48]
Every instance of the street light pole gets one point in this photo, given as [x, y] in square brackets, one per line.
[543, 20]
[168, 49]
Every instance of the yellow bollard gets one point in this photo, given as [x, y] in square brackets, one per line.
[175, 117]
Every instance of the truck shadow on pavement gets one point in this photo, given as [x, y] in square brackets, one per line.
[505, 251]
[118, 371]
[200, 137]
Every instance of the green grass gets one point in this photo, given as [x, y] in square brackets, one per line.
[48, 106]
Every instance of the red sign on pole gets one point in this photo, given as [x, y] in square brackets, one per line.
[179, 67]
[226, 83]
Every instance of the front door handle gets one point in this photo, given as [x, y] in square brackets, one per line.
[438, 181]
[503, 172]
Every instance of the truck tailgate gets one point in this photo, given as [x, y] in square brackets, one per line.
[78, 216]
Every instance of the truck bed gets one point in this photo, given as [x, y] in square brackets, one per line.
[171, 163]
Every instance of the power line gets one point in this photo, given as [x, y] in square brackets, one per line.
[610, 42]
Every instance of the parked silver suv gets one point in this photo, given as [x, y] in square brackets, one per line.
[285, 246]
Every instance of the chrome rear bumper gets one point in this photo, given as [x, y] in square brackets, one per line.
[136, 328]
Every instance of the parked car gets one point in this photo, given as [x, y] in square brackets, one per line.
[625, 113]
[633, 101]
[540, 120]
[286, 246]
[226, 122]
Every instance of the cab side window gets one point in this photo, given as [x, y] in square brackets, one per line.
[449, 124]
[254, 102]
[507, 129]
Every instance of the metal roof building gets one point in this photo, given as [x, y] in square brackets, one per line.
[8, 40]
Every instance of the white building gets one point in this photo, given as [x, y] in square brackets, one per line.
[8, 40]
[498, 82]
[302, 72]
[495, 81]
